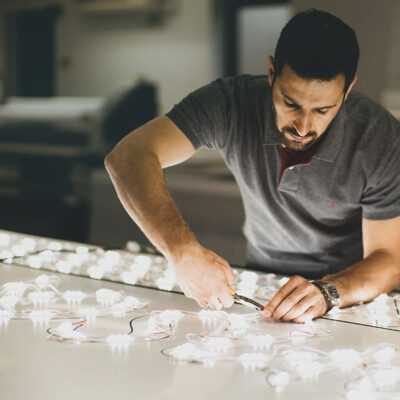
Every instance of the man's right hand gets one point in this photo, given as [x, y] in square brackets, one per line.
[204, 276]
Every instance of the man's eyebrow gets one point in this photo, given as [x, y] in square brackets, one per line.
[295, 102]
[288, 97]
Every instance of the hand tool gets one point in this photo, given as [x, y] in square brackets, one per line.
[245, 300]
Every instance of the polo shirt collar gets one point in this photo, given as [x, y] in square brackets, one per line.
[331, 141]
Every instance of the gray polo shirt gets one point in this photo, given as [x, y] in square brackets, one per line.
[309, 222]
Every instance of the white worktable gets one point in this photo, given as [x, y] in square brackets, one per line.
[32, 367]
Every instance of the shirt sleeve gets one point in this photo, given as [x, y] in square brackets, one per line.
[203, 115]
[381, 198]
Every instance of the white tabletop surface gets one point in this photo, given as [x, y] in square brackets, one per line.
[33, 367]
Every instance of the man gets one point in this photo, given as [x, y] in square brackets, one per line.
[318, 169]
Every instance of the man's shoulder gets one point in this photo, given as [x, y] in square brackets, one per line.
[233, 89]
[246, 94]
[373, 129]
[361, 110]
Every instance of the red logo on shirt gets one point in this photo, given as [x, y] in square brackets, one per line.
[332, 203]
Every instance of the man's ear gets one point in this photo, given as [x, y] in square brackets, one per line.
[271, 70]
[350, 87]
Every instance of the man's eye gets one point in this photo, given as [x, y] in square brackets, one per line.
[292, 105]
[322, 112]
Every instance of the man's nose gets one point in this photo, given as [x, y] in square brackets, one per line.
[303, 124]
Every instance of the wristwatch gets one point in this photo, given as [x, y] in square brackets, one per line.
[330, 293]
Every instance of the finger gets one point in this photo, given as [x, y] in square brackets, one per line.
[300, 308]
[280, 295]
[226, 303]
[226, 299]
[314, 299]
[288, 303]
[202, 303]
[310, 314]
[186, 291]
[214, 303]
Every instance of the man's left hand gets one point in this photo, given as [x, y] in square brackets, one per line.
[298, 300]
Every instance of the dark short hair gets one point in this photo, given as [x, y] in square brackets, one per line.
[318, 45]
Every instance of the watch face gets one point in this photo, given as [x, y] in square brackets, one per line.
[330, 293]
[333, 294]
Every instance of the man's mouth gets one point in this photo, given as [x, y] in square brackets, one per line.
[297, 138]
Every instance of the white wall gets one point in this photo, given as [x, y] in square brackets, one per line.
[374, 22]
[96, 53]
[259, 29]
[393, 64]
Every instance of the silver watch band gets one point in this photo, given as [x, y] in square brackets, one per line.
[329, 292]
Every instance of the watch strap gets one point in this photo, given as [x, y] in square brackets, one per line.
[329, 292]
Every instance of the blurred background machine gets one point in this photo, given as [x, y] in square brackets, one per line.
[48, 148]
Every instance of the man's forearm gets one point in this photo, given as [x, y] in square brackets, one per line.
[139, 182]
[378, 273]
[135, 167]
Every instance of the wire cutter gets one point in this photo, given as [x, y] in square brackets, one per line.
[245, 300]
